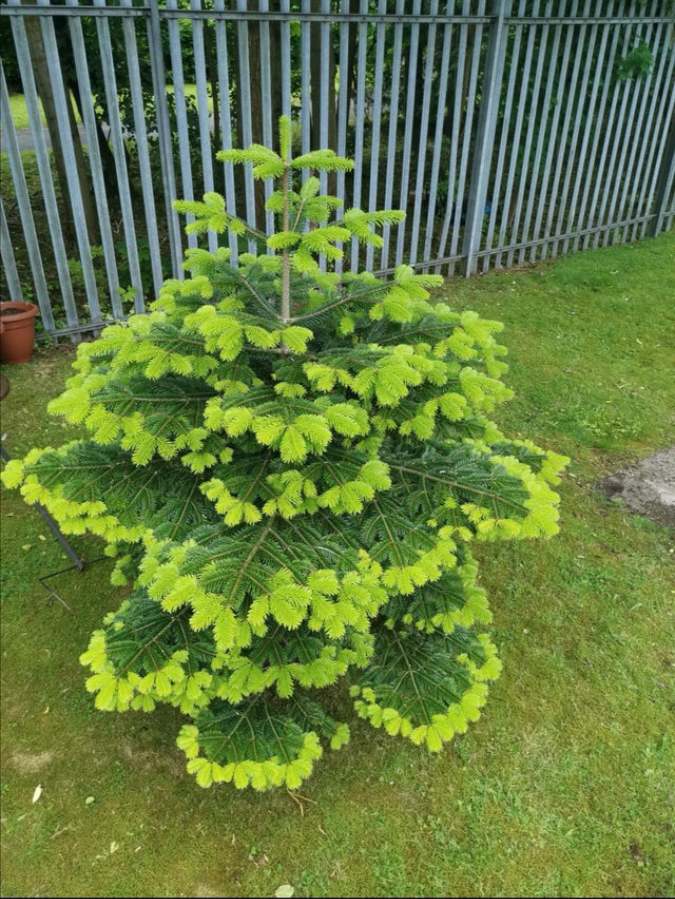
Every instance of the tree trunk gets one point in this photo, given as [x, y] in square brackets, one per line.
[107, 157]
[45, 91]
[86, 190]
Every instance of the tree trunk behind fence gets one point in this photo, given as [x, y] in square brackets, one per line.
[44, 88]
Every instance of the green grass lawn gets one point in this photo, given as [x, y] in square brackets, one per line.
[566, 786]
[17, 104]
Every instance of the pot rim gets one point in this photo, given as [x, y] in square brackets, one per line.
[27, 311]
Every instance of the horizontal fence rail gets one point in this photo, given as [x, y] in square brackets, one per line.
[509, 131]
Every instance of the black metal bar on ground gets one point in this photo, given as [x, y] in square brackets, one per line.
[52, 525]
[50, 590]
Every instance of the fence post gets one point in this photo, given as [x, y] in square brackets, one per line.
[664, 186]
[485, 134]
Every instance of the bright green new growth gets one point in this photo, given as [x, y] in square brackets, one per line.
[291, 465]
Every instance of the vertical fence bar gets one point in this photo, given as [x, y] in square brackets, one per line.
[25, 209]
[509, 108]
[666, 112]
[119, 150]
[652, 127]
[424, 130]
[438, 133]
[8, 260]
[562, 139]
[61, 99]
[44, 169]
[266, 98]
[343, 112]
[377, 123]
[203, 111]
[485, 137]
[669, 218]
[626, 175]
[591, 168]
[359, 124]
[513, 166]
[665, 184]
[583, 162]
[541, 132]
[96, 165]
[454, 139]
[466, 143]
[141, 138]
[325, 74]
[343, 94]
[226, 119]
[631, 89]
[529, 134]
[629, 177]
[179, 94]
[621, 91]
[306, 81]
[393, 126]
[244, 128]
[610, 141]
[286, 61]
[165, 139]
[553, 133]
[411, 65]
[660, 148]
[572, 149]
[323, 100]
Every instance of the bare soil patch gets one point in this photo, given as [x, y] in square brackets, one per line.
[647, 487]
[27, 763]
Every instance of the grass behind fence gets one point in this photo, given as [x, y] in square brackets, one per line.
[565, 786]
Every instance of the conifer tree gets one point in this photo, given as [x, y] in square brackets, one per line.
[291, 466]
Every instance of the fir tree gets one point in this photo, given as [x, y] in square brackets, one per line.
[291, 466]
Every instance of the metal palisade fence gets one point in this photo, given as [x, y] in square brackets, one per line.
[508, 131]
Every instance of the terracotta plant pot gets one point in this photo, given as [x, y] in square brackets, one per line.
[4, 383]
[18, 332]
